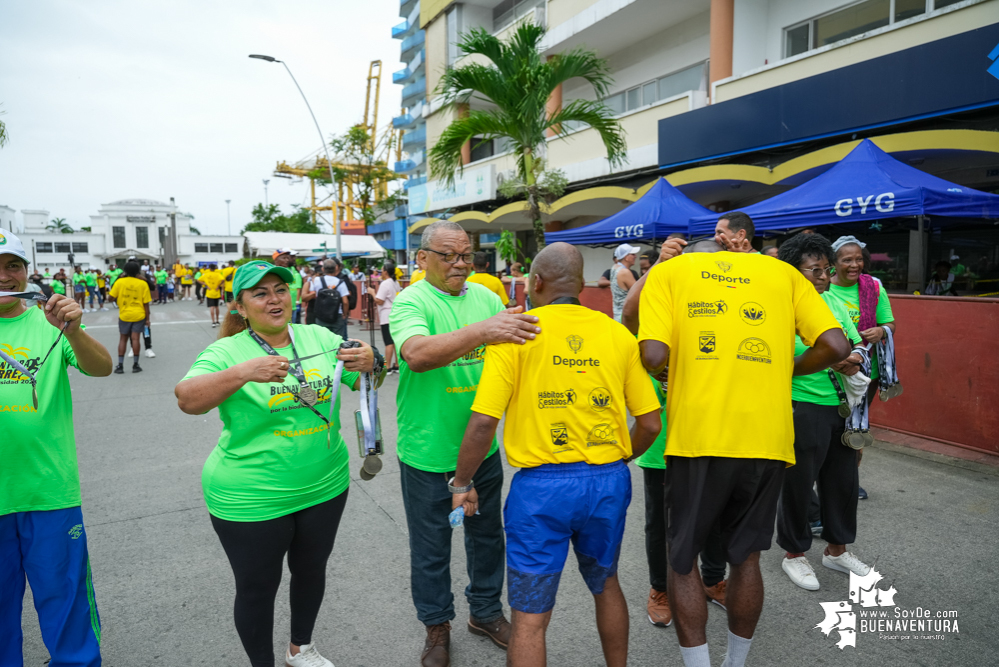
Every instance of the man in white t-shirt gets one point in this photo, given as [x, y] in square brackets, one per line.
[321, 309]
[387, 290]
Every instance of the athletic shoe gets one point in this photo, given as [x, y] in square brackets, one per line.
[657, 609]
[861, 493]
[847, 563]
[716, 593]
[136, 368]
[309, 657]
[86, 310]
[800, 571]
[150, 354]
[118, 369]
[130, 354]
[817, 529]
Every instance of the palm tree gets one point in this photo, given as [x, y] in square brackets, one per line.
[59, 225]
[518, 82]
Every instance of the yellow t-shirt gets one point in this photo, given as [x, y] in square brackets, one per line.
[212, 280]
[494, 284]
[417, 276]
[729, 320]
[131, 294]
[228, 273]
[187, 277]
[565, 392]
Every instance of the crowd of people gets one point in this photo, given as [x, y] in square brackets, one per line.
[780, 333]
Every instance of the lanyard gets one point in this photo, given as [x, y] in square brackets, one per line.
[18, 365]
[844, 404]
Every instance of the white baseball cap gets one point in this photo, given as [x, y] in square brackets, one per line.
[624, 250]
[11, 245]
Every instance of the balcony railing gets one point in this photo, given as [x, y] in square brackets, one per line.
[414, 91]
[413, 182]
[402, 210]
[406, 7]
[403, 166]
[415, 137]
[402, 121]
[399, 31]
[400, 76]
[415, 40]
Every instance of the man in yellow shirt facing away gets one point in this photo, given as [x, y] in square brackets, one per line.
[480, 276]
[228, 273]
[132, 296]
[213, 282]
[565, 395]
[725, 323]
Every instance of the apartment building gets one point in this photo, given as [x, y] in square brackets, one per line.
[733, 101]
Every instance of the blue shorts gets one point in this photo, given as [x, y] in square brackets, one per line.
[79, 289]
[555, 504]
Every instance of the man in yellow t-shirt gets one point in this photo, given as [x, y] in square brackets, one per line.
[488, 280]
[725, 323]
[228, 273]
[566, 395]
[132, 296]
[213, 281]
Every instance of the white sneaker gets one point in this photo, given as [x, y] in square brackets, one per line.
[150, 354]
[103, 308]
[309, 657]
[800, 571]
[86, 310]
[130, 354]
[847, 563]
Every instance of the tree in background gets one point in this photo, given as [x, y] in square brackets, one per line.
[518, 83]
[59, 225]
[4, 137]
[270, 219]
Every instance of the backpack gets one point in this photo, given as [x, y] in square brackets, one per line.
[328, 303]
[352, 289]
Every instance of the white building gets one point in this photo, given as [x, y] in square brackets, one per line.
[130, 227]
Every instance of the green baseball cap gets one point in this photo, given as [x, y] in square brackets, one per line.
[253, 272]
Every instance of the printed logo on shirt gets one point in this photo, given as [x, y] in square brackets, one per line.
[560, 437]
[3, 239]
[600, 399]
[476, 356]
[752, 313]
[754, 349]
[283, 396]
[706, 345]
[575, 343]
[724, 266]
[728, 281]
[556, 399]
[706, 308]
[9, 374]
[573, 363]
[601, 434]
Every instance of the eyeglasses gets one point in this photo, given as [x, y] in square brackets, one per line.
[818, 273]
[452, 257]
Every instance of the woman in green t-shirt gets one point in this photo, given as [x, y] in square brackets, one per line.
[819, 454]
[277, 481]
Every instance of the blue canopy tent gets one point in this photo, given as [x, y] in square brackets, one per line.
[866, 185]
[661, 211]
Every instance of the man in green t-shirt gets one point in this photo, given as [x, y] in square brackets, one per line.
[80, 288]
[90, 278]
[111, 276]
[161, 286]
[42, 539]
[441, 326]
[286, 257]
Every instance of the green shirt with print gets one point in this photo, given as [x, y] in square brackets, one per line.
[295, 285]
[113, 275]
[850, 298]
[817, 388]
[434, 406]
[58, 286]
[272, 458]
[655, 455]
[39, 471]
[91, 279]
[161, 277]
[79, 279]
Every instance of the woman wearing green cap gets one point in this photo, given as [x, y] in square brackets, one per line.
[277, 481]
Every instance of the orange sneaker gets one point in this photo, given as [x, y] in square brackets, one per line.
[716, 593]
[658, 609]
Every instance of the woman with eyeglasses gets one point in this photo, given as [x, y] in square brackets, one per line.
[819, 454]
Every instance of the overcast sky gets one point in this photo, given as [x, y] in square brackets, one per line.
[118, 99]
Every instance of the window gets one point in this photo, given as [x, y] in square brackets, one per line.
[232, 247]
[80, 247]
[200, 247]
[650, 92]
[216, 247]
[454, 29]
[906, 9]
[797, 39]
[142, 237]
[483, 150]
[62, 247]
[509, 11]
[119, 236]
[944, 3]
[43, 247]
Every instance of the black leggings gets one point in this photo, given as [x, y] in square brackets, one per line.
[256, 552]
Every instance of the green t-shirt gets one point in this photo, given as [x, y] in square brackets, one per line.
[434, 407]
[272, 459]
[79, 279]
[817, 388]
[655, 455]
[850, 298]
[38, 469]
[296, 284]
[112, 276]
[197, 276]
[161, 277]
[91, 279]
[58, 286]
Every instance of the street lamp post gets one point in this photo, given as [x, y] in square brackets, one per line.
[322, 138]
[266, 203]
[228, 219]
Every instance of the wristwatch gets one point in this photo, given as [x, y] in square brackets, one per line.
[459, 489]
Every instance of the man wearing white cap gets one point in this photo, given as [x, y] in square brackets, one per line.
[42, 539]
[621, 276]
[286, 257]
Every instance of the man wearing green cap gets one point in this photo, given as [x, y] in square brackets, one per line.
[42, 539]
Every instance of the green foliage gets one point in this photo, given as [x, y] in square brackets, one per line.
[85, 229]
[4, 137]
[270, 219]
[356, 148]
[511, 249]
[518, 81]
[59, 225]
[195, 230]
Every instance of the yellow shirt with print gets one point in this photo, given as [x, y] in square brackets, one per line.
[565, 393]
[212, 280]
[729, 320]
[131, 294]
[494, 284]
[228, 273]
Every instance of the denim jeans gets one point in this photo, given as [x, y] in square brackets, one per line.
[428, 503]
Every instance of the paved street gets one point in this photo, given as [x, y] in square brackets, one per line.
[165, 590]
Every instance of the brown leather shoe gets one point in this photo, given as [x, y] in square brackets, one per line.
[437, 649]
[658, 609]
[716, 593]
[498, 631]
